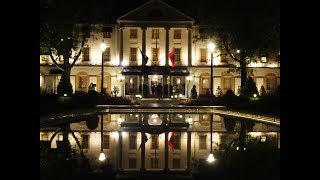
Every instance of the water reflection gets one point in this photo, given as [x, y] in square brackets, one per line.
[126, 148]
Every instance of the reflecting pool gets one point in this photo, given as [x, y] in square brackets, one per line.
[112, 142]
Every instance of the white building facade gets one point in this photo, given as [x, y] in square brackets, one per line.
[155, 28]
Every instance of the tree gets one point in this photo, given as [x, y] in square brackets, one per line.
[249, 88]
[262, 91]
[63, 35]
[219, 91]
[194, 93]
[241, 29]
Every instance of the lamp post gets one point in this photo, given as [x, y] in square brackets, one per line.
[102, 48]
[102, 156]
[211, 47]
[210, 157]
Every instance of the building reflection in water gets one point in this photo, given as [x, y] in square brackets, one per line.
[123, 138]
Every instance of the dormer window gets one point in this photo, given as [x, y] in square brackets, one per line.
[264, 59]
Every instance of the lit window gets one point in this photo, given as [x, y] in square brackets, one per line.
[264, 59]
[133, 34]
[177, 34]
[203, 54]
[106, 142]
[175, 163]
[85, 141]
[85, 54]
[177, 52]
[132, 141]
[155, 142]
[155, 33]
[60, 137]
[203, 142]
[132, 162]
[133, 54]
[205, 83]
[263, 138]
[106, 54]
[154, 163]
[44, 137]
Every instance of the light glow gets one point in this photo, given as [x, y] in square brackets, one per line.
[210, 158]
[103, 47]
[211, 47]
[102, 156]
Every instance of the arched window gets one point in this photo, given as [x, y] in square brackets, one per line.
[82, 80]
[227, 82]
[270, 82]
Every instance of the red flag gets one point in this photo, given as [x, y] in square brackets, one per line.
[171, 57]
[171, 141]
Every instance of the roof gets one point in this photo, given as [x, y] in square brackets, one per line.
[155, 10]
[156, 70]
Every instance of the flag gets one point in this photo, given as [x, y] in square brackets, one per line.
[171, 57]
[144, 140]
[144, 58]
[171, 141]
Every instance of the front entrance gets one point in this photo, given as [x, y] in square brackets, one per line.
[155, 84]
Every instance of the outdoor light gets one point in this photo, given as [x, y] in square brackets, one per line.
[255, 95]
[238, 51]
[210, 158]
[102, 156]
[120, 120]
[102, 48]
[180, 95]
[65, 95]
[171, 96]
[244, 148]
[237, 148]
[211, 47]
[190, 120]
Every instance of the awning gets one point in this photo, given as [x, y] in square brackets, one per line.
[156, 70]
[55, 71]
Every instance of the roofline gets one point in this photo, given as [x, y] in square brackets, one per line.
[191, 19]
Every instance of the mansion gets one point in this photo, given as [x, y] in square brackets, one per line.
[155, 28]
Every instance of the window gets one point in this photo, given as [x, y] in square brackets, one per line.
[133, 54]
[154, 163]
[263, 138]
[44, 137]
[106, 141]
[86, 54]
[133, 34]
[203, 142]
[132, 141]
[264, 59]
[177, 34]
[177, 54]
[82, 82]
[203, 55]
[205, 83]
[132, 82]
[106, 34]
[155, 33]
[270, 83]
[132, 163]
[155, 142]
[175, 163]
[155, 52]
[177, 141]
[85, 141]
[227, 83]
[60, 137]
[106, 55]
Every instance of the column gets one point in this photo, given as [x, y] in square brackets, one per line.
[121, 46]
[143, 153]
[166, 148]
[120, 150]
[143, 41]
[189, 48]
[167, 45]
[168, 81]
[188, 150]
